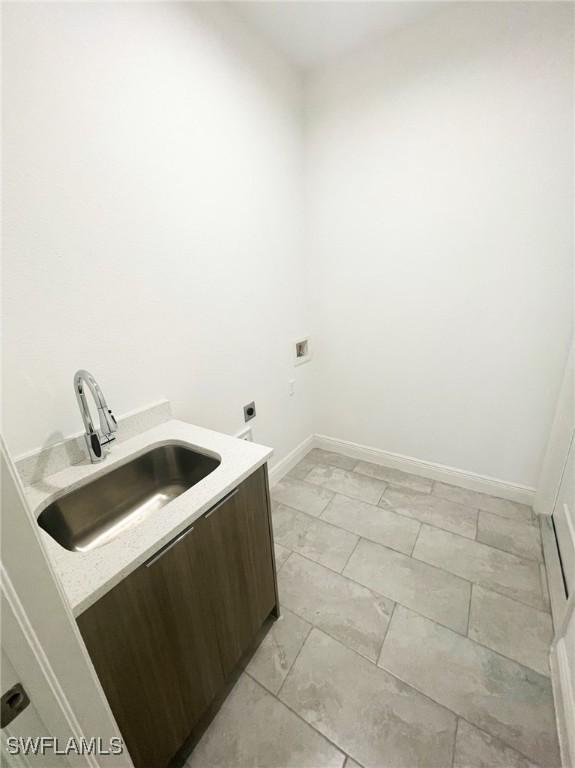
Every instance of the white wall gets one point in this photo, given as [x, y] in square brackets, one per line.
[153, 227]
[440, 198]
[152, 161]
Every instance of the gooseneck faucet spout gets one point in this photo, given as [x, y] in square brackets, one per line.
[98, 441]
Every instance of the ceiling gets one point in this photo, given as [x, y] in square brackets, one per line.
[310, 33]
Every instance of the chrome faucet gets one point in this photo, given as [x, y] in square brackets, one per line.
[98, 441]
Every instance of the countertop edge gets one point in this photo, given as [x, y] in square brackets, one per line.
[86, 577]
[79, 607]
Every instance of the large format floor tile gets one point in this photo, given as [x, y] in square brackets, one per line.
[306, 498]
[349, 483]
[511, 628]
[311, 537]
[301, 469]
[494, 569]
[477, 749]
[498, 695]
[368, 713]
[515, 536]
[346, 610]
[503, 507]
[428, 590]
[255, 730]
[278, 650]
[394, 476]
[371, 522]
[319, 456]
[433, 510]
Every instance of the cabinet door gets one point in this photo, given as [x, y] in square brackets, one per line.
[152, 641]
[241, 565]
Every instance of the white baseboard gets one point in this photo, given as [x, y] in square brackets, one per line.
[288, 462]
[444, 474]
[564, 697]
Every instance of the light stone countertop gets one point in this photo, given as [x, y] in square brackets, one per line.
[86, 576]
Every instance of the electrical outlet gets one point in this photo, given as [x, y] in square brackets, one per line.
[249, 411]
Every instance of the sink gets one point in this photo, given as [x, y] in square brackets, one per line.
[98, 512]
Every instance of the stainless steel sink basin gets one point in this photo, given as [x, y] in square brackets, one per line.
[93, 515]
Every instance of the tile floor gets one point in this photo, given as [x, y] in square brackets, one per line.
[415, 631]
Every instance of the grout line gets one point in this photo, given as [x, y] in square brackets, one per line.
[350, 555]
[472, 584]
[311, 559]
[414, 687]
[391, 615]
[393, 674]
[378, 505]
[466, 538]
[355, 533]
[397, 511]
[457, 715]
[376, 594]
[525, 667]
[338, 639]
[386, 486]
[525, 560]
[326, 488]
[401, 486]
[543, 608]
[454, 742]
[308, 633]
[483, 584]
[532, 520]
[469, 610]
[415, 541]
[490, 587]
[320, 487]
[508, 552]
[285, 561]
[294, 712]
[395, 601]
[527, 521]
[507, 658]
[391, 508]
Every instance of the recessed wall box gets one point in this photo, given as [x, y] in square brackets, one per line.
[302, 350]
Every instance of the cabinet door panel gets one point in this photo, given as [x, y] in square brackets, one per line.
[152, 641]
[240, 560]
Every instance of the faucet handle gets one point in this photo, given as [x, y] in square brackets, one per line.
[107, 418]
[94, 446]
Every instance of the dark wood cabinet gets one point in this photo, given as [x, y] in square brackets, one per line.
[165, 639]
[241, 567]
